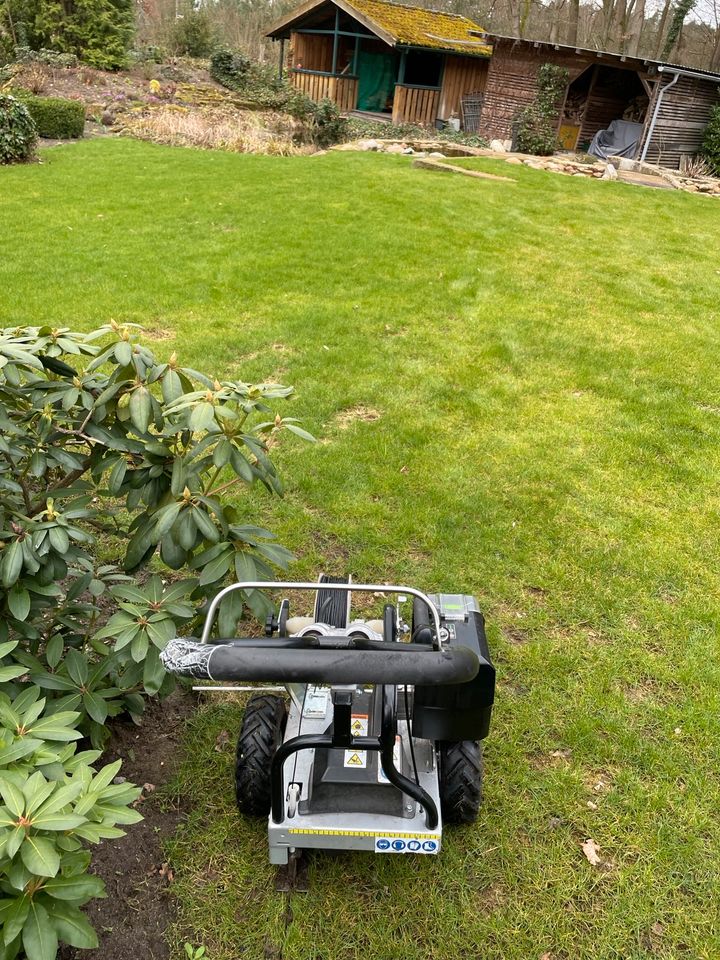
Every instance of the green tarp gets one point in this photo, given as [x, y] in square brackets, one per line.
[376, 81]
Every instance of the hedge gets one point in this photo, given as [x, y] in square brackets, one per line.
[54, 118]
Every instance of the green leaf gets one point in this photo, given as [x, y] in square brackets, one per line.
[165, 518]
[106, 776]
[77, 888]
[123, 353]
[217, 568]
[11, 673]
[39, 937]
[58, 821]
[72, 926]
[40, 856]
[205, 525]
[38, 464]
[15, 918]
[171, 386]
[241, 466]
[230, 612]
[12, 561]
[19, 602]
[13, 797]
[96, 707]
[59, 539]
[20, 748]
[298, 431]
[77, 666]
[14, 842]
[245, 569]
[139, 646]
[54, 650]
[62, 796]
[222, 453]
[202, 417]
[7, 647]
[117, 476]
[58, 726]
[153, 671]
[140, 408]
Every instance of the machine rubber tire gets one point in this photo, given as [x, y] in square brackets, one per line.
[261, 734]
[461, 771]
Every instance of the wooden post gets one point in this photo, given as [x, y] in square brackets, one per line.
[401, 71]
[356, 54]
[336, 40]
[282, 58]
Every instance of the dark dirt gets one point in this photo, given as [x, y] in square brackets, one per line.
[131, 921]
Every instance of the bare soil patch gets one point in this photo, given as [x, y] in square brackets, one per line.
[132, 920]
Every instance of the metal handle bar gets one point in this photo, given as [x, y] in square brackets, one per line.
[346, 587]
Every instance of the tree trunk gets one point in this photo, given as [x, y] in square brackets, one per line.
[715, 59]
[573, 22]
[635, 28]
[661, 29]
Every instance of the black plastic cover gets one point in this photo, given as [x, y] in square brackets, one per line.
[459, 711]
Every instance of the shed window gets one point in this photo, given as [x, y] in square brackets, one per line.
[423, 69]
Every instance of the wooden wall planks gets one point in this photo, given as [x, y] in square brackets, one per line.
[415, 105]
[681, 121]
[462, 75]
[341, 90]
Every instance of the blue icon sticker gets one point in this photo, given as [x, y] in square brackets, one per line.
[403, 845]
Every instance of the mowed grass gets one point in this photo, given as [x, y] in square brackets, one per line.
[515, 390]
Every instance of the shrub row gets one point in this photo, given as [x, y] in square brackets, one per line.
[104, 435]
[54, 118]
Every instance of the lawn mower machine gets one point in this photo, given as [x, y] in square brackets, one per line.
[380, 743]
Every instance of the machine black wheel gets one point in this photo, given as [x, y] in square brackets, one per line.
[460, 780]
[261, 734]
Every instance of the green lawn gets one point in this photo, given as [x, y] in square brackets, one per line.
[542, 358]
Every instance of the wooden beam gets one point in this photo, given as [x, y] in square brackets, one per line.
[356, 54]
[331, 33]
[449, 168]
[336, 40]
[401, 69]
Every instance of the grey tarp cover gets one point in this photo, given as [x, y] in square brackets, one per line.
[619, 140]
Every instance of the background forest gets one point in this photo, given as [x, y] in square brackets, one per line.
[101, 31]
[684, 31]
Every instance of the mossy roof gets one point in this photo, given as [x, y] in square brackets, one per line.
[417, 27]
[400, 25]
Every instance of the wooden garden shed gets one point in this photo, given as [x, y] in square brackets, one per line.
[672, 103]
[389, 60]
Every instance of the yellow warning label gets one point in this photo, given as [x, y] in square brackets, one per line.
[355, 758]
[362, 833]
[359, 725]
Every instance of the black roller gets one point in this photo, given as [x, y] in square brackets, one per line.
[332, 606]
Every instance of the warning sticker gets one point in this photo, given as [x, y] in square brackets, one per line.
[396, 760]
[359, 725]
[356, 758]
[393, 844]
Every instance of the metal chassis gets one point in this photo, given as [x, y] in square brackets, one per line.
[342, 739]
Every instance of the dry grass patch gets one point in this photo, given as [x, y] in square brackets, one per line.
[365, 414]
[214, 129]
